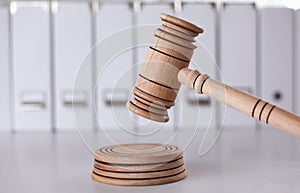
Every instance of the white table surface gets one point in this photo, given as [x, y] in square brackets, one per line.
[243, 160]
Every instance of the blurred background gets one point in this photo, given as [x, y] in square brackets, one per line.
[44, 43]
[250, 45]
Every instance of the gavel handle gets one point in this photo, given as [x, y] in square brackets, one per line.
[241, 101]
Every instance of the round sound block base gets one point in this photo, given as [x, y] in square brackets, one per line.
[139, 182]
[139, 164]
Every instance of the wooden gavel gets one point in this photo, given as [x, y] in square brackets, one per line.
[165, 69]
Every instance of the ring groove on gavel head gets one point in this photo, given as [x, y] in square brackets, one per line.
[157, 84]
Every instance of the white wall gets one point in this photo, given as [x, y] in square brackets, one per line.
[4, 70]
[238, 55]
[31, 62]
[72, 43]
[297, 64]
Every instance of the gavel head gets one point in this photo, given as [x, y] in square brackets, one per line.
[157, 86]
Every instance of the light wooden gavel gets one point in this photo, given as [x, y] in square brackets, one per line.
[165, 69]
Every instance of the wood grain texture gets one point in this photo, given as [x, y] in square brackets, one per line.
[166, 68]
[139, 175]
[140, 182]
[181, 23]
[157, 85]
[147, 114]
[164, 92]
[138, 164]
[153, 99]
[149, 108]
[136, 154]
[244, 102]
[140, 167]
[177, 33]
[154, 105]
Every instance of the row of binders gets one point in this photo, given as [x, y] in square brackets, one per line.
[45, 47]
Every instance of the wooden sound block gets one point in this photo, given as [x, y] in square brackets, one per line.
[139, 182]
[140, 175]
[138, 168]
[139, 164]
[138, 154]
